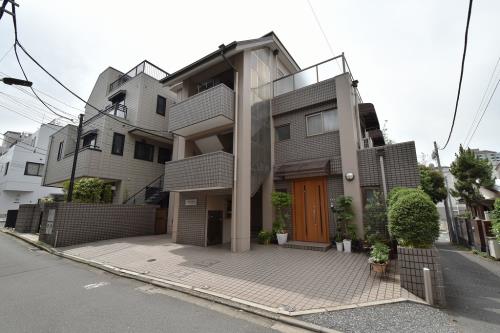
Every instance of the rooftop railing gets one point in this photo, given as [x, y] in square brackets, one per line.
[308, 76]
[144, 67]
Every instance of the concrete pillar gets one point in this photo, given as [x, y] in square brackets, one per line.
[240, 220]
[178, 153]
[347, 112]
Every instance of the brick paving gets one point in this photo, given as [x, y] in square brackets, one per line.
[279, 278]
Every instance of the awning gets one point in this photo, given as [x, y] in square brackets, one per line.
[368, 116]
[167, 138]
[300, 169]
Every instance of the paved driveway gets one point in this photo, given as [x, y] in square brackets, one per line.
[278, 278]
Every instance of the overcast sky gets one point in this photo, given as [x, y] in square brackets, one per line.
[405, 54]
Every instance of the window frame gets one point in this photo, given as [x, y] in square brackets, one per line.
[60, 151]
[158, 98]
[276, 137]
[159, 154]
[39, 170]
[6, 168]
[94, 140]
[139, 143]
[321, 113]
[113, 144]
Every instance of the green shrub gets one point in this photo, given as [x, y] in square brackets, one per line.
[89, 190]
[379, 253]
[281, 202]
[495, 223]
[345, 215]
[397, 192]
[413, 218]
[264, 237]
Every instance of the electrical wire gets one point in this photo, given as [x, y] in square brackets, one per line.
[484, 111]
[18, 144]
[482, 101]
[461, 75]
[6, 53]
[30, 118]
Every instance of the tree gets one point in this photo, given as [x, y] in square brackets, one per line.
[90, 190]
[432, 183]
[281, 202]
[388, 141]
[470, 174]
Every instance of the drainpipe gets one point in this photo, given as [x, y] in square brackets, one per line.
[234, 201]
[381, 153]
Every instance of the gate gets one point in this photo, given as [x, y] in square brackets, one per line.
[10, 222]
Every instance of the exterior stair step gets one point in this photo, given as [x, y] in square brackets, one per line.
[308, 246]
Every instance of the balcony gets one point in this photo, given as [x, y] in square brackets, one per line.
[144, 67]
[202, 112]
[118, 110]
[210, 171]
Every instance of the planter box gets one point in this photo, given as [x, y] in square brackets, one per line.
[411, 263]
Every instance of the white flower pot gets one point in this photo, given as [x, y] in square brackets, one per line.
[340, 246]
[494, 246]
[347, 245]
[282, 238]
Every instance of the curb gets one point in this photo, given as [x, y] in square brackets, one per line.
[196, 292]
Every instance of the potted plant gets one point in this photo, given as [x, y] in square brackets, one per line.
[281, 202]
[379, 257]
[345, 215]
[350, 237]
[265, 237]
[338, 241]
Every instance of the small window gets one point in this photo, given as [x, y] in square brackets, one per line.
[60, 150]
[33, 169]
[322, 122]
[118, 144]
[144, 151]
[161, 105]
[282, 132]
[6, 168]
[90, 140]
[164, 155]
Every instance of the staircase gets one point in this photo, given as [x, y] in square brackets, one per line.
[152, 194]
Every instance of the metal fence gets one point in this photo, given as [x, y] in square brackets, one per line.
[144, 67]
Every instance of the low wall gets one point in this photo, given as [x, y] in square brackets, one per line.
[411, 263]
[65, 224]
[27, 216]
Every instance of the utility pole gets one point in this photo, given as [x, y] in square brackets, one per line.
[451, 232]
[75, 159]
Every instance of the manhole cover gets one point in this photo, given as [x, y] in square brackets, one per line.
[151, 260]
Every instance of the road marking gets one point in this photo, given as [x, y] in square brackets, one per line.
[95, 285]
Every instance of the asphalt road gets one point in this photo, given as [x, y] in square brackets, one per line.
[472, 288]
[40, 292]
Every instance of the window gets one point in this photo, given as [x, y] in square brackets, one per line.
[60, 150]
[6, 168]
[118, 144]
[33, 169]
[161, 105]
[282, 132]
[322, 122]
[164, 155]
[144, 151]
[202, 86]
[90, 139]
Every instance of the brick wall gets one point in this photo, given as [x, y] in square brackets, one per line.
[25, 218]
[411, 263]
[192, 220]
[77, 223]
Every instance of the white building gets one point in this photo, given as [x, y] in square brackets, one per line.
[456, 207]
[22, 168]
[492, 156]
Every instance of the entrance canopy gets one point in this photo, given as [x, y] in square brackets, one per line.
[301, 169]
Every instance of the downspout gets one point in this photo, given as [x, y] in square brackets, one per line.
[234, 200]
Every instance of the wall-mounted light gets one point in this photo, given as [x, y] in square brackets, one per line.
[349, 176]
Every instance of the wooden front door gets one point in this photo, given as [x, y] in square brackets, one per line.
[310, 215]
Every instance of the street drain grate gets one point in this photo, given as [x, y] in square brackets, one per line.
[151, 260]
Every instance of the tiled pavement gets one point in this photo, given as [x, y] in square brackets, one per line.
[288, 279]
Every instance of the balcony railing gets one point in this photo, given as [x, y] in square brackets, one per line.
[118, 110]
[308, 76]
[202, 172]
[144, 67]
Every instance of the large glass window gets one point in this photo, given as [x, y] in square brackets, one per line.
[322, 122]
[282, 132]
[33, 169]
[164, 155]
[90, 140]
[118, 144]
[161, 105]
[144, 151]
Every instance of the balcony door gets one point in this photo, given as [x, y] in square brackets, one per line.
[310, 215]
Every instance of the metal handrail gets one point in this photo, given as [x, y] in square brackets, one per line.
[144, 67]
[144, 188]
[115, 108]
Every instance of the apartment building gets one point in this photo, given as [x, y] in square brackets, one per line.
[22, 166]
[492, 156]
[249, 121]
[124, 136]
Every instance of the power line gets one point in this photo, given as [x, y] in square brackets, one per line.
[6, 53]
[482, 100]
[322, 31]
[18, 144]
[461, 75]
[484, 111]
[28, 117]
